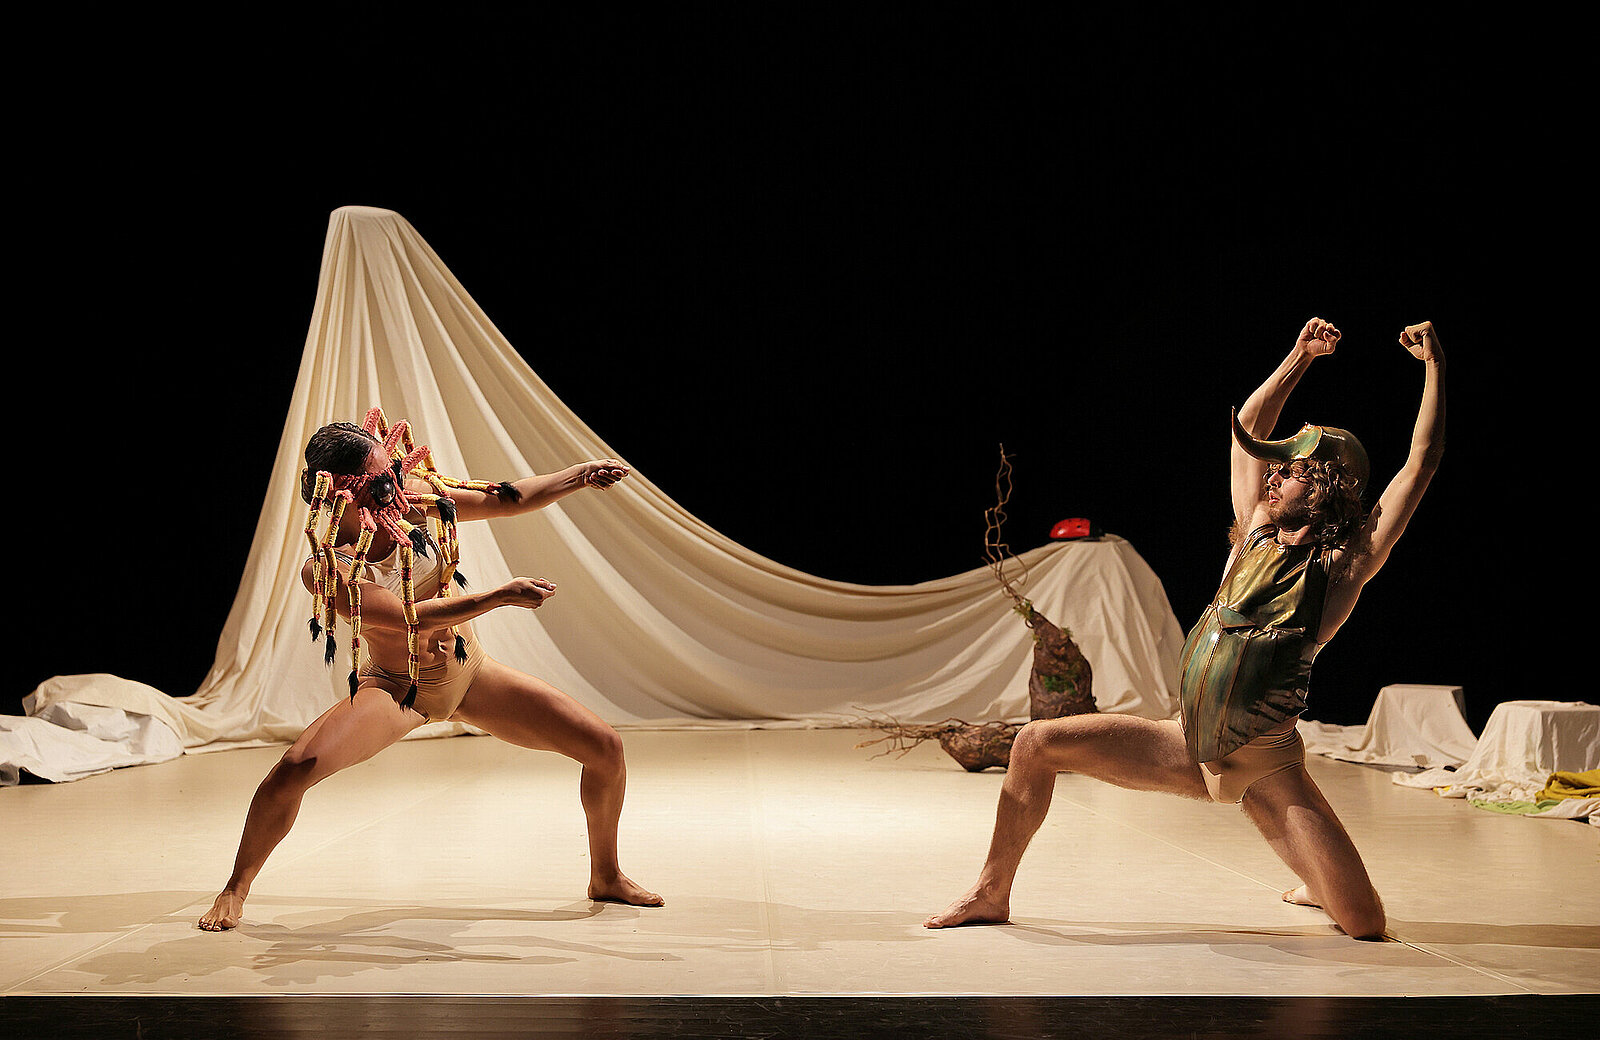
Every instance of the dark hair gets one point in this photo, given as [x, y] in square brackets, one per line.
[339, 448]
[1335, 500]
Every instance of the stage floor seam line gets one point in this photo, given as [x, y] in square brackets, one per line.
[67, 962]
[273, 866]
[1172, 844]
[761, 855]
[774, 842]
[1389, 936]
[1480, 969]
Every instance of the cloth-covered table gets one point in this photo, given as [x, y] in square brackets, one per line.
[1522, 744]
[1409, 725]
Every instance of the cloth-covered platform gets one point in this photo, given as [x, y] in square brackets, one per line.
[792, 863]
[1418, 726]
[661, 618]
[1533, 759]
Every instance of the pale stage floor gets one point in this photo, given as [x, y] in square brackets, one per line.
[792, 864]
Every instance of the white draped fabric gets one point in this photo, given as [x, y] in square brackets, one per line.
[660, 619]
[1522, 744]
[1409, 725]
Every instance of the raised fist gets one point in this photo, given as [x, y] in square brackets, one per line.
[1422, 341]
[1318, 337]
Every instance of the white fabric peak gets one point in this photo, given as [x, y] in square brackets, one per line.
[660, 619]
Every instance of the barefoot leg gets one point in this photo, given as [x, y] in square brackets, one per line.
[349, 732]
[530, 713]
[1300, 825]
[1024, 801]
[1119, 749]
[1302, 896]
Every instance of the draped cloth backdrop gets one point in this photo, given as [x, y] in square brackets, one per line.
[660, 620]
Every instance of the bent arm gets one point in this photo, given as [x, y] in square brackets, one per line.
[381, 608]
[1259, 414]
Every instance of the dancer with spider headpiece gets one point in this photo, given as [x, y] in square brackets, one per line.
[388, 508]
[1302, 552]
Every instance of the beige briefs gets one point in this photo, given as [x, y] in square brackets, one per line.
[440, 687]
[1229, 776]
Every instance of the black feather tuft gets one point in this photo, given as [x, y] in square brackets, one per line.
[460, 579]
[461, 649]
[506, 489]
[447, 510]
[354, 682]
[411, 697]
[316, 630]
[419, 541]
[329, 650]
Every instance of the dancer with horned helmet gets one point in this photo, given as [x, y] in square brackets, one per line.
[1302, 551]
[386, 561]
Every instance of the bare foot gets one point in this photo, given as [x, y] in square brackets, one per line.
[1301, 897]
[973, 908]
[621, 889]
[225, 912]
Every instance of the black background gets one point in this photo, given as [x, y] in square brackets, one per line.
[806, 269]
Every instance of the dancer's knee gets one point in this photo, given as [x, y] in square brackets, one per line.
[603, 750]
[1365, 921]
[295, 770]
[1039, 745]
[1025, 746]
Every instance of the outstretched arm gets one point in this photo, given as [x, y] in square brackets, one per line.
[535, 492]
[1259, 414]
[1369, 549]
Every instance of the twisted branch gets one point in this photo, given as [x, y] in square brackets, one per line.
[995, 549]
[902, 738]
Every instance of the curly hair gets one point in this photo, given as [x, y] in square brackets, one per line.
[1333, 497]
[339, 447]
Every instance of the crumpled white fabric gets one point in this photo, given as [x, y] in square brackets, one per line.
[83, 725]
[661, 620]
[72, 742]
[65, 739]
[1586, 809]
[1522, 744]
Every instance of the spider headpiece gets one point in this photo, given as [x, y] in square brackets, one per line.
[392, 510]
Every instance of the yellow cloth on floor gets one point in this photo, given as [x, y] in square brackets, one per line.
[1572, 785]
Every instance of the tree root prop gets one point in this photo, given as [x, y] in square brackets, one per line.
[1059, 684]
[975, 745]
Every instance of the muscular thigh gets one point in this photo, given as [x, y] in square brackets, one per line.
[1295, 818]
[529, 712]
[351, 731]
[1288, 806]
[1125, 750]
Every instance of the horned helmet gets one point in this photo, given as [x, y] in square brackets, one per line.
[1322, 443]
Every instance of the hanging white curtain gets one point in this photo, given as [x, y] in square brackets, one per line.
[660, 620]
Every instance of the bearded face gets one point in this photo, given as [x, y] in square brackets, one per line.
[1289, 496]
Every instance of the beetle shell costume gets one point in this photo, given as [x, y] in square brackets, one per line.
[1246, 665]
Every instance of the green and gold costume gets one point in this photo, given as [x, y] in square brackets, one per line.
[1246, 665]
